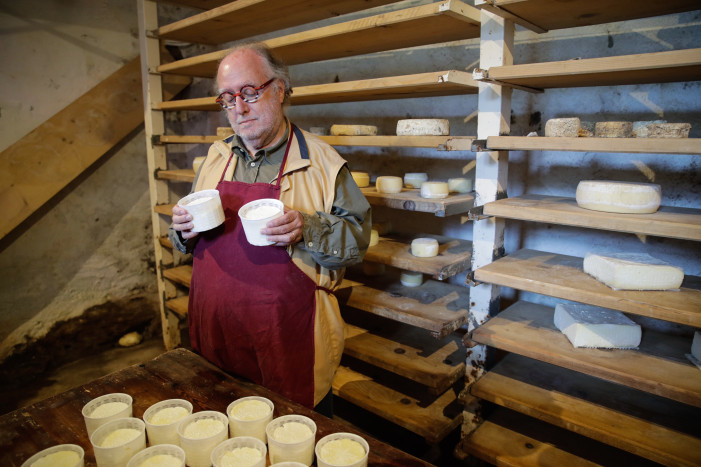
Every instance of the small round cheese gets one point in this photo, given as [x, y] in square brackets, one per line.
[168, 415]
[619, 197]
[374, 237]
[460, 185]
[362, 179]
[435, 190]
[240, 457]
[424, 247]
[108, 409]
[292, 432]
[119, 436]
[203, 428]
[58, 459]
[411, 278]
[161, 460]
[342, 451]
[250, 410]
[423, 127]
[389, 184]
[414, 179]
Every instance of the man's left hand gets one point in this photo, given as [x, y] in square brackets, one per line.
[285, 230]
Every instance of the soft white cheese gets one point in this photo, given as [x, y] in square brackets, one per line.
[203, 428]
[58, 459]
[120, 436]
[619, 197]
[592, 326]
[240, 457]
[633, 271]
[168, 415]
[261, 212]
[108, 409]
[292, 432]
[250, 409]
[161, 460]
[342, 451]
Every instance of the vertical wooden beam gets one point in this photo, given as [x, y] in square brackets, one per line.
[156, 155]
[491, 171]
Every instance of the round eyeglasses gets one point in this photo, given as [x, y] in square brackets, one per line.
[248, 94]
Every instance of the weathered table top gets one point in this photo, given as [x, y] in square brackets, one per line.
[176, 374]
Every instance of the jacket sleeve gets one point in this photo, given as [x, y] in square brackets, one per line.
[340, 238]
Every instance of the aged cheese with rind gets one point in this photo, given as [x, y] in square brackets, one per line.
[434, 190]
[593, 326]
[563, 127]
[619, 197]
[389, 184]
[362, 179]
[460, 185]
[424, 247]
[613, 129]
[633, 271]
[353, 130]
[668, 130]
[641, 128]
[415, 179]
[423, 127]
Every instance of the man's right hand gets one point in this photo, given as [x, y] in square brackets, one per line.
[182, 222]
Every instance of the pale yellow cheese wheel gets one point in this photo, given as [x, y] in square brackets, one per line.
[414, 179]
[618, 197]
[411, 278]
[362, 179]
[435, 190]
[389, 184]
[460, 185]
[424, 247]
[353, 130]
[374, 237]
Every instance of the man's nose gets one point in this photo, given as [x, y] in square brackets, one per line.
[241, 105]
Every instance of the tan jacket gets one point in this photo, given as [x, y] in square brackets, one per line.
[307, 186]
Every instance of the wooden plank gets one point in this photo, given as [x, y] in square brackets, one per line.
[659, 366]
[409, 352]
[562, 276]
[556, 14]
[433, 84]
[165, 209]
[180, 274]
[672, 222]
[45, 161]
[411, 200]
[188, 139]
[653, 427]
[242, 19]
[453, 255]
[200, 4]
[654, 67]
[178, 175]
[598, 145]
[179, 306]
[432, 422]
[435, 306]
[422, 25]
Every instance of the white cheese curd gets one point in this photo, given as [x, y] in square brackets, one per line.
[58, 459]
[203, 428]
[261, 212]
[250, 410]
[292, 432]
[342, 451]
[161, 460]
[199, 201]
[168, 415]
[240, 457]
[108, 409]
[119, 437]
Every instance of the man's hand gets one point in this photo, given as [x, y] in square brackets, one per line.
[285, 230]
[182, 222]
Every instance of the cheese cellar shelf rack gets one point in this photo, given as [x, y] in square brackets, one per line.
[656, 391]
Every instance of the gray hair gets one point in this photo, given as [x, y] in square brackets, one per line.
[277, 67]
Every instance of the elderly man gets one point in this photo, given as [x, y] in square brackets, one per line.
[268, 313]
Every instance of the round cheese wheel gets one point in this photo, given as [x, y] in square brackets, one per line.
[374, 237]
[362, 179]
[353, 130]
[424, 247]
[389, 184]
[434, 190]
[411, 278]
[460, 185]
[619, 197]
[415, 179]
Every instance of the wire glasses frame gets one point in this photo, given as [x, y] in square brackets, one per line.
[248, 94]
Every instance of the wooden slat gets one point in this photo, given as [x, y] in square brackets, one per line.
[438, 307]
[556, 14]
[200, 4]
[654, 67]
[562, 276]
[242, 19]
[422, 25]
[179, 306]
[411, 200]
[180, 274]
[669, 222]
[188, 139]
[597, 145]
[659, 366]
[165, 209]
[625, 418]
[409, 352]
[178, 175]
[453, 255]
[433, 421]
[434, 84]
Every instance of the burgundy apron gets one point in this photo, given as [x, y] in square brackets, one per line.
[251, 308]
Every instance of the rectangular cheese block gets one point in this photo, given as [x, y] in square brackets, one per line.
[563, 127]
[353, 130]
[613, 129]
[592, 326]
[633, 271]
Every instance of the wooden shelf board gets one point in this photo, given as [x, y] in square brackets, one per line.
[411, 200]
[433, 84]
[432, 422]
[242, 19]
[562, 276]
[179, 274]
[602, 145]
[672, 222]
[179, 306]
[177, 175]
[438, 307]
[427, 24]
[454, 255]
[188, 139]
[659, 366]
[555, 14]
[409, 352]
[654, 67]
[622, 417]
[200, 4]
[165, 209]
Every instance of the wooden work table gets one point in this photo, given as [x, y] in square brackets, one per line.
[176, 374]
